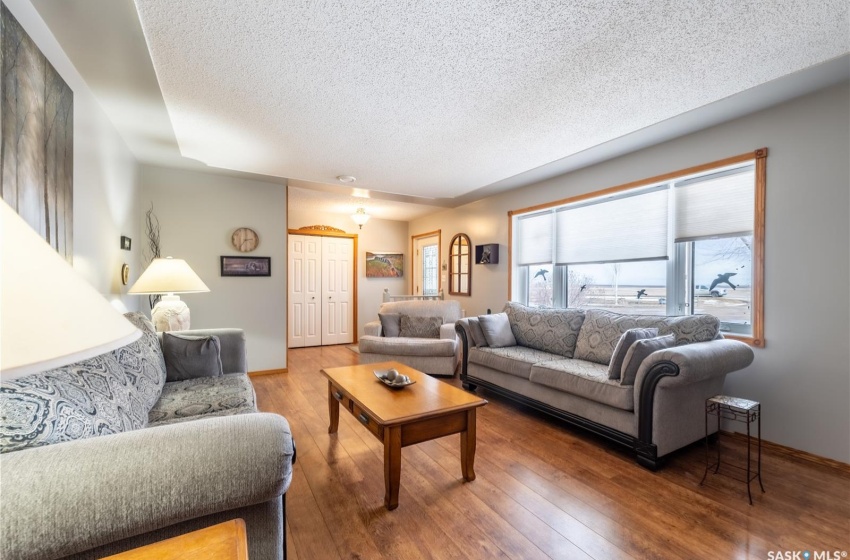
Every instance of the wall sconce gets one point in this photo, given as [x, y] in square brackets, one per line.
[360, 217]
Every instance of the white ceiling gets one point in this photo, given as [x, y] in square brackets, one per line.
[439, 99]
[318, 202]
[105, 41]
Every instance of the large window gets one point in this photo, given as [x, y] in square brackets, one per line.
[688, 242]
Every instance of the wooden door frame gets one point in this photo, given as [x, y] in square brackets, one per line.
[413, 238]
[326, 231]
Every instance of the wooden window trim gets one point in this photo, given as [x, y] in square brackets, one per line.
[758, 156]
[438, 233]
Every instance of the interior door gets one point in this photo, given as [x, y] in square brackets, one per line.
[426, 265]
[337, 316]
[305, 253]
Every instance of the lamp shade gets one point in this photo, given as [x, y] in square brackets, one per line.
[168, 276]
[50, 315]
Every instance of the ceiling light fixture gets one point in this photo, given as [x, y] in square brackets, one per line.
[360, 217]
[346, 178]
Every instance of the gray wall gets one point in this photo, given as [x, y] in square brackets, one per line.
[198, 213]
[376, 235]
[105, 178]
[802, 377]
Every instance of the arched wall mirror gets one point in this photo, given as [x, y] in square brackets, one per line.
[460, 266]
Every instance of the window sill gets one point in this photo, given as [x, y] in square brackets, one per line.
[757, 342]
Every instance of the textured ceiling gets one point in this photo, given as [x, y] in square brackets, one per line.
[316, 202]
[437, 99]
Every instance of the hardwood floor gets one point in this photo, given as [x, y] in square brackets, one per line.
[543, 490]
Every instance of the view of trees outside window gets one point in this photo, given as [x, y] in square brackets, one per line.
[723, 278]
[541, 285]
[632, 288]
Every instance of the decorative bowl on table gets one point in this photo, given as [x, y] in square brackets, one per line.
[392, 378]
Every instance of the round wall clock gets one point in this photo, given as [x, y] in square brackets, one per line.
[245, 240]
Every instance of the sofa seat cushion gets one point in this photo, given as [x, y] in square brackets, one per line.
[196, 398]
[515, 360]
[403, 346]
[547, 329]
[585, 379]
[602, 329]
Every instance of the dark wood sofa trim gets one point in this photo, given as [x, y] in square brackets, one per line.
[646, 452]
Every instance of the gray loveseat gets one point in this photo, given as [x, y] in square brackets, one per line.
[104, 455]
[434, 352]
[560, 366]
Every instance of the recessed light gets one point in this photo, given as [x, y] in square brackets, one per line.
[346, 178]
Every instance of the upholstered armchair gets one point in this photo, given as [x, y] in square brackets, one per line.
[420, 334]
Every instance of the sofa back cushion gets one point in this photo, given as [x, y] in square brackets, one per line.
[602, 329]
[89, 398]
[449, 310]
[550, 330]
[143, 361]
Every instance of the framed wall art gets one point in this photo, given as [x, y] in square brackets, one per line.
[384, 265]
[246, 266]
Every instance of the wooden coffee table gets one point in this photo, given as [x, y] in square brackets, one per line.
[426, 410]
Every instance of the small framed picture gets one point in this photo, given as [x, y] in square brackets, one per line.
[246, 266]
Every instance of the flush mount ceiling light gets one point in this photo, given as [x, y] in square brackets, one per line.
[360, 217]
[346, 178]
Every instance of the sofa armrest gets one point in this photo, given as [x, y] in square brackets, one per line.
[70, 497]
[697, 362]
[447, 331]
[463, 332]
[372, 328]
[234, 354]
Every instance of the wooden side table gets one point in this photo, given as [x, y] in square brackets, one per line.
[737, 410]
[225, 541]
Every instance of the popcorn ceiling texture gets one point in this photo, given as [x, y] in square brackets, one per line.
[440, 98]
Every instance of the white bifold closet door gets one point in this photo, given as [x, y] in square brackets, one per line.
[320, 290]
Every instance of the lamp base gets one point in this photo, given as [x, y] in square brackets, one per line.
[170, 314]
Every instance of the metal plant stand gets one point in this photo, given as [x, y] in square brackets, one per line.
[737, 410]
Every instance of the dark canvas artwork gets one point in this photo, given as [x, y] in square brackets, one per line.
[37, 140]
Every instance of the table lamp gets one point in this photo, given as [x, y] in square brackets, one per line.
[50, 315]
[168, 277]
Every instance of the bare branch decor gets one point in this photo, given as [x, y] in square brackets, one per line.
[153, 250]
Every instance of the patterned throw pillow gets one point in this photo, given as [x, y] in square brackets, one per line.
[420, 327]
[547, 329]
[143, 362]
[89, 398]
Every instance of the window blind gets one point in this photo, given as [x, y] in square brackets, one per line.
[627, 228]
[721, 205]
[534, 238]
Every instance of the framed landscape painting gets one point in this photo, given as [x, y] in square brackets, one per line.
[384, 265]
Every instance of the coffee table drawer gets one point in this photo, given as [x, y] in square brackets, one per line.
[367, 421]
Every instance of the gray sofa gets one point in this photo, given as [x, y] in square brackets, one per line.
[560, 366]
[105, 455]
[438, 355]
